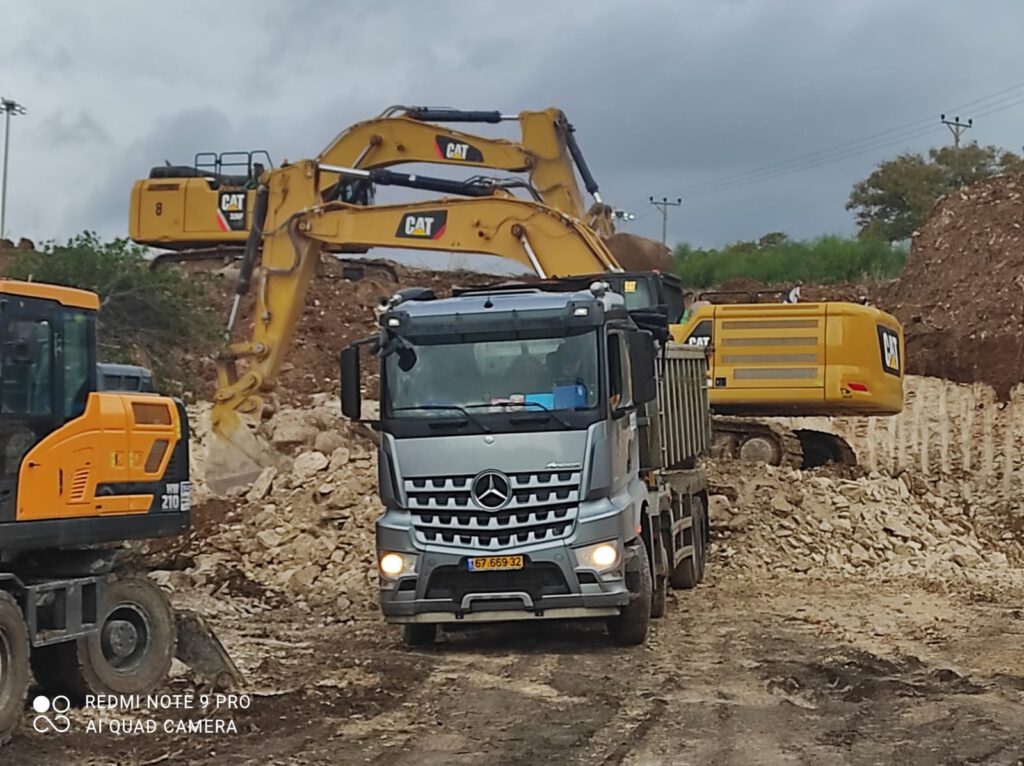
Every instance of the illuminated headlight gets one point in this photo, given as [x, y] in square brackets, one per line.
[394, 322]
[396, 564]
[581, 311]
[600, 556]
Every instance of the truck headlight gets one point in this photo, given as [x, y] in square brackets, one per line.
[599, 556]
[396, 564]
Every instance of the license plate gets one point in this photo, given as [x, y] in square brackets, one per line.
[495, 563]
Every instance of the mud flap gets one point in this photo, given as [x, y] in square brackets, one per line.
[203, 652]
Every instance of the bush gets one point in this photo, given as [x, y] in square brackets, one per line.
[775, 259]
[146, 316]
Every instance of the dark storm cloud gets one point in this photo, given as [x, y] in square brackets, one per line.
[665, 94]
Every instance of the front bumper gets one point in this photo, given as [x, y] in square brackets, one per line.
[550, 586]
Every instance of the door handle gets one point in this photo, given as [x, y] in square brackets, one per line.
[31, 464]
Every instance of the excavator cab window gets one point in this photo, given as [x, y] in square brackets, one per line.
[26, 368]
[78, 361]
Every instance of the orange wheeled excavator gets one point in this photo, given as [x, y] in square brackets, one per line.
[81, 469]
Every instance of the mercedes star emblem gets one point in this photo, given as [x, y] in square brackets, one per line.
[491, 490]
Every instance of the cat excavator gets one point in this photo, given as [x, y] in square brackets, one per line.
[83, 468]
[207, 211]
[760, 352]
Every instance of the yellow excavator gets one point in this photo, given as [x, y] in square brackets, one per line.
[205, 209]
[761, 344]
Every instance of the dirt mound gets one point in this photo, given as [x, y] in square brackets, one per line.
[635, 253]
[961, 294]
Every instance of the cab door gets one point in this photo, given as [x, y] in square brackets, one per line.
[29, 401]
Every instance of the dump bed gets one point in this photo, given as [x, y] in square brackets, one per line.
[676, 428]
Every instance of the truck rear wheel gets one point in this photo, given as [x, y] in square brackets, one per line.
[419, 634]
[629, 628]
[14, 675]
[131, 652]
[690, 570]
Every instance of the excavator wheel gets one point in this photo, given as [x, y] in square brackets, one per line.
[14, 675]
[131, 652]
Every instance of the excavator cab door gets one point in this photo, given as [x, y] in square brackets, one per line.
[47, 369]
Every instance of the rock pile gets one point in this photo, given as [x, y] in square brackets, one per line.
[303, 531]
[776, 520]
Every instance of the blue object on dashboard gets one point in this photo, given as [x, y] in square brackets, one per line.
[569, 397]
[546, 401]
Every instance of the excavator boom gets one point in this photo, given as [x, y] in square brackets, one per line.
[182, 208]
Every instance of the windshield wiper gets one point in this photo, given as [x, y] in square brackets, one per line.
[547, 411]
[478, 423]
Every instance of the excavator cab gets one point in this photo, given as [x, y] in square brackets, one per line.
[205, 204]
[78, 465]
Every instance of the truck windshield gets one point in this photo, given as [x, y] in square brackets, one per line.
[494, 375]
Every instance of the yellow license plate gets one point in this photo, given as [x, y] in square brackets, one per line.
[495, 563]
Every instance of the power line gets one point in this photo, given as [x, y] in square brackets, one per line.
[911, 130]
[663, 205]
[713, 187]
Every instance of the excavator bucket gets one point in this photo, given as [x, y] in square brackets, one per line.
[235, 455]
[203, 652]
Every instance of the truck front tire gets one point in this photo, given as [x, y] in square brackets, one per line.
[629, 628]
[14, 676]
[419, 634]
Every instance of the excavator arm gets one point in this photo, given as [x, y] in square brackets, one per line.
[298, 227]
[197, 211]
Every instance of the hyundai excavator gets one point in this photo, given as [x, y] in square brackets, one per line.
[83, 468]
[204, 209]
[293, 225]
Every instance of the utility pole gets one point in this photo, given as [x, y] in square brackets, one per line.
[956, 127]
[9, 108]
[663, 205]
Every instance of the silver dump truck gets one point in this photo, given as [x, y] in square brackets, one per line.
[536, 459]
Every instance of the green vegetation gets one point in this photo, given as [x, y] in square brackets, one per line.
[777, 259]
[148, 317]
[893, 201]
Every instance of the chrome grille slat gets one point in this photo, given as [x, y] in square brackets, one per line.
[544, 507]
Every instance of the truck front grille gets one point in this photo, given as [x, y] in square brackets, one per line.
[539, 580]
[543, 507]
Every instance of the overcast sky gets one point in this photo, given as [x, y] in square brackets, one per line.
[667, 95]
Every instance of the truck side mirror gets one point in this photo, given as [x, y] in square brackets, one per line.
[351, 398]
[642, 353]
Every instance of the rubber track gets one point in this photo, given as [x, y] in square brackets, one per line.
[791, 451]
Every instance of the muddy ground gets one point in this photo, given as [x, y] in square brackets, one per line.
[782, 671]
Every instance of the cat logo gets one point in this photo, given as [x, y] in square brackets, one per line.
[456, 151]
[231, 210]
[428, 225]
[889, 345]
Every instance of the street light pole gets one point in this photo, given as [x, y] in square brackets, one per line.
[9, 107]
